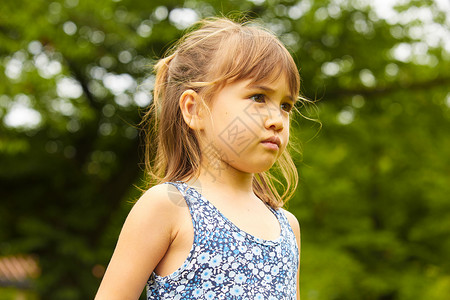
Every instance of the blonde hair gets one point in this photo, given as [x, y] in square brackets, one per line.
[218, 51]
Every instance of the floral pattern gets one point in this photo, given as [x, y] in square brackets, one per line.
[228, 263]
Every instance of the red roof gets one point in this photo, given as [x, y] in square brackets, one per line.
[18, 270]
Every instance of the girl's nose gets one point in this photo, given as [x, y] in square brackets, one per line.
[274, 119]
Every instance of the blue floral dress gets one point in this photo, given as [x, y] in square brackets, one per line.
[228, 263]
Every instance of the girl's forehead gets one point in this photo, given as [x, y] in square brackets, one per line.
[267, 82]
[269, 79]
[275, 74]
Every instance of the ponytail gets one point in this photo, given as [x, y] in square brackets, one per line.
[150, 120]
[162, 77]
[174, 154]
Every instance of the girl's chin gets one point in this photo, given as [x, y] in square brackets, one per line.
[254, 168]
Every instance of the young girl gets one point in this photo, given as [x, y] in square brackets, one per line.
[212, 227]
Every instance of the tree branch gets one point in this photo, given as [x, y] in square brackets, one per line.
[444, 81]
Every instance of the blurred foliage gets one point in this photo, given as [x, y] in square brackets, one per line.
[373, 197]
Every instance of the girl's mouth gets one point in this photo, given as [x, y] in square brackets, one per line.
[270, 145]
[273, 142]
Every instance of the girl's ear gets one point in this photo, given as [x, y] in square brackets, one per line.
[191, 106]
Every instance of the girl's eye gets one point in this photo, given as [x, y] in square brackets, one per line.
[259, 98]
[286, 107]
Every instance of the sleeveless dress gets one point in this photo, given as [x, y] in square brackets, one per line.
[228, 263]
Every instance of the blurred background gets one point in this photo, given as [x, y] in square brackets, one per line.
[374, 193]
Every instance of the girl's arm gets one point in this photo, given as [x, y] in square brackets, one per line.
[145, 237]
[296, 228]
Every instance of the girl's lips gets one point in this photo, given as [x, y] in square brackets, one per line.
[270, 145]
[273, 140]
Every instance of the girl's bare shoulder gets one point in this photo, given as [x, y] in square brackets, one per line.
[145, 237]
[161, 200]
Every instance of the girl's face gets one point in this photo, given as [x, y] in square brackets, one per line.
[248, 126]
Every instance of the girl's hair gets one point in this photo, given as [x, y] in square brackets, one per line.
[217, 52]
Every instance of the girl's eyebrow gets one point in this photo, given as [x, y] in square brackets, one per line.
[260, 87]
[267, 89]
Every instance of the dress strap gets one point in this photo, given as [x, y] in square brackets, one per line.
[191, 200]
[191, 196]
[181, 186]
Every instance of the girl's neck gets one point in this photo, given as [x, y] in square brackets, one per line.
[225, 180]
